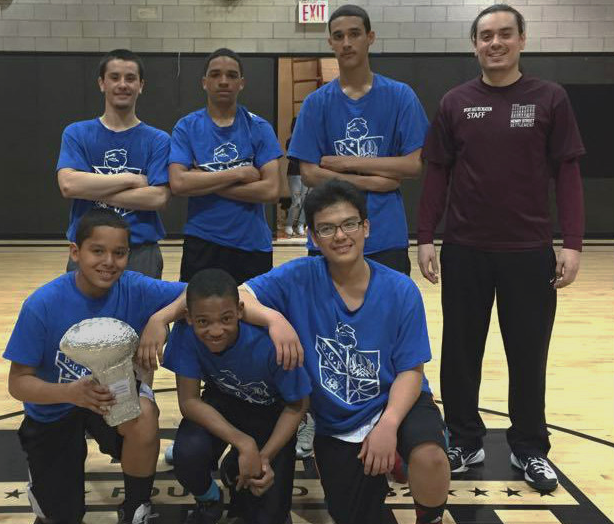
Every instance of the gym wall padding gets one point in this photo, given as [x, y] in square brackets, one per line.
[41, 93]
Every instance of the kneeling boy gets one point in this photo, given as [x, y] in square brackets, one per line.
[62, 402]
[249, 402]
[363, 328]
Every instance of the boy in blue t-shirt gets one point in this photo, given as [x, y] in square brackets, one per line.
[224, 159]
[249, 402]
[366, 129]
[60, 398]
[364, 331]
[117, 161]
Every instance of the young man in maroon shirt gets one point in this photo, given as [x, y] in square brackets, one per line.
[494, 145]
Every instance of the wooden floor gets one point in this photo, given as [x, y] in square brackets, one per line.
[580, 408]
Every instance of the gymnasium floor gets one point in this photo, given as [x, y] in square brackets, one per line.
[580, 411]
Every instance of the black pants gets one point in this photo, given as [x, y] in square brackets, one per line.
[242, 265]
[56, 454]
[396, 259]
[196, 453]
[355, 498]
[526, 305]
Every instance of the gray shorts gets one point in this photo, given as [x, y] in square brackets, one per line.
[144, 258]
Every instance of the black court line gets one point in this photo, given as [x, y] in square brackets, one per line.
[573, 432]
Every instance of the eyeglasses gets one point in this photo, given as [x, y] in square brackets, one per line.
[328, 230]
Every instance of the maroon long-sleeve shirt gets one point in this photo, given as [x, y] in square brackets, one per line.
[494, 150]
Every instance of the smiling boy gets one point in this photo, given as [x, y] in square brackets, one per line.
[249, 402]
[117, 161]
[61, 400]
[363, 328]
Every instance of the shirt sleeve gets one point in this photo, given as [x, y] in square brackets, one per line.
[267, 147]
[157, 167]
[72, 152]
[439, 145]
[412, 347]
[271, 288]
[181, 149]
[27, 343]
[155, 294]
[180, 355]
[432, 201]
[412, 122]
[570, 203]
[307, 143]
[564, 141]
[292, 384]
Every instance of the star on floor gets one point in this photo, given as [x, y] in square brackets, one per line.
[544, 493]
[452, 492]
[512, 492]
[13, 494]
[477, 492]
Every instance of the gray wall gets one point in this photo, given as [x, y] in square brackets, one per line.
[269, 26]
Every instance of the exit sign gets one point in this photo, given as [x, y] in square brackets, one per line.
[312, 11]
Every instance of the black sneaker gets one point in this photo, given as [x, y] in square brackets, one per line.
[538, 472]
[143, 514]
[461, 458]
[208, 512]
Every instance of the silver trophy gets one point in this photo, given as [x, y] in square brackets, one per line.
[106, 346]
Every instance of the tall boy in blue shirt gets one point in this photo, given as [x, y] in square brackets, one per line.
[60, 398]
[249, 402]
[364, 128]
[363, 328]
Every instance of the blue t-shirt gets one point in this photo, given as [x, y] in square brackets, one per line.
[198, 141]
[352, 357]
[388, 121]
[55, 307]
[143, 150]
[247, 370]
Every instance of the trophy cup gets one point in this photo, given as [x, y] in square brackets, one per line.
[106, 346]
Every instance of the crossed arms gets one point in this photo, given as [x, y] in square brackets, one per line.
[126, 190]
[378, 174]
[243, 183]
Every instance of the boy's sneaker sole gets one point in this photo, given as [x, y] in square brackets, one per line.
[536, 473]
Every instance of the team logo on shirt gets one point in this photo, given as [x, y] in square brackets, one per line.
[473, 113]
[352, 375]
[116, 162]
[226, 156]
[522, 116]
[69, 370]
[252, 392]
[357, 141]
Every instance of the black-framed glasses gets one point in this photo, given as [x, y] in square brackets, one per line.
[328, 230]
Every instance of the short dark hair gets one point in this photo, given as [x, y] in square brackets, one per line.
[330, 193]
[121, 54]
[95, 217]
[223, 51]
[211, 283]
[351, 10]
[495, 9]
